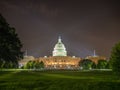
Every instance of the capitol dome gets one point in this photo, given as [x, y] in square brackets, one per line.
[59, 49]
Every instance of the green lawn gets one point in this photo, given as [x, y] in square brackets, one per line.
[58, 80]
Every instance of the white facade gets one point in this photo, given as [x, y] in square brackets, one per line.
[59, 49]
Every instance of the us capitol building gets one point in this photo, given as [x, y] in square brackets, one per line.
[59, 58]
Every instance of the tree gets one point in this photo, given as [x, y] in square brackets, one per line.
[86, 64]
[94, 66]
[29, 65]
[108, 66]
[38, 65]
[42, 64]
[34, 65]
[102, 64]
[115, 58]
[10, 44]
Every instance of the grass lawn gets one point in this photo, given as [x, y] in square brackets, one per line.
[58, 80]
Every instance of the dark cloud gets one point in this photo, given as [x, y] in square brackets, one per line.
[84, 25]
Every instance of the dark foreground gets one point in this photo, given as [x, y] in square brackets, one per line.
[58, 80]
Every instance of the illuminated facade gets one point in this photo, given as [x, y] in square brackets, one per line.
[59, 49]
[25, 60]
[60, 60]
[95, 58]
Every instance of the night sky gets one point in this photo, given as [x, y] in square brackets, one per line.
[84, 25]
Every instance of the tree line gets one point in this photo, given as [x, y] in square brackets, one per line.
[34, 65]
[89, 64]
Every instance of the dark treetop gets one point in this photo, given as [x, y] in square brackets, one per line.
[10, 45]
